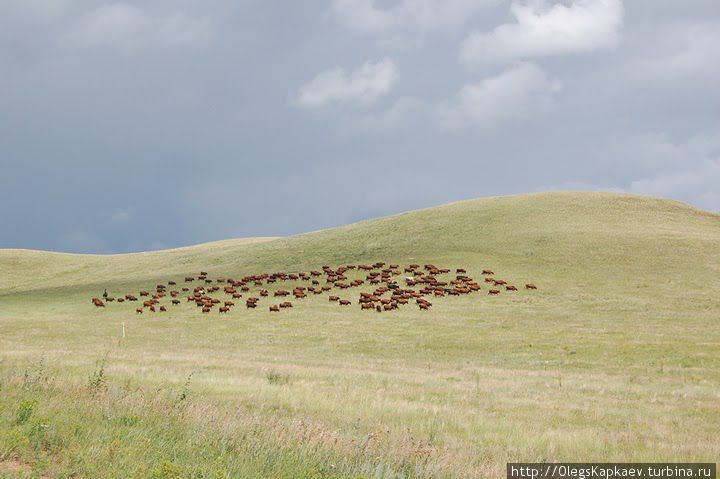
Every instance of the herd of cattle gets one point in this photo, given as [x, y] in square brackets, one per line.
[393, 287]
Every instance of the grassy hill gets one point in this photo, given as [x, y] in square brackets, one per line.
[616, 357]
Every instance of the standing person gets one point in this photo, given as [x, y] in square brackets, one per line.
[105, 295]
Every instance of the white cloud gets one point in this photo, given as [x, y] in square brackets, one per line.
[698, 183]
[403, 113]
[363, 86]
[696, 52]
[406, 16]
[541, 30]
[684, 170]
[513, 94]
[125, 27]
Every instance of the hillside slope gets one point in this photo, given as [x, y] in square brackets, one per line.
[585, 236]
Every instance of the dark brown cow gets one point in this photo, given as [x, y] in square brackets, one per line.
[510, 287]
[139, 310]
[344, 302]
[494, 291]
[487, 271]
[274, 308]
[530, 286]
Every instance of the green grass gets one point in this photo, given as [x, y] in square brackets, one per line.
[616, 357]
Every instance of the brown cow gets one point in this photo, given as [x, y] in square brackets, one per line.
[487, 271]
[494, 291]
[530, 286]
[510, 287]
[274, 308]
[175, 301]
[344, 302]
[334, 298]
[286, 304]
[139, 310]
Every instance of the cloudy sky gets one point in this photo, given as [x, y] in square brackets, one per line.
[136, 125]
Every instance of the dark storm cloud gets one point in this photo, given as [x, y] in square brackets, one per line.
[136, 125]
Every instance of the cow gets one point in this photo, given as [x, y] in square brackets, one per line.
[224, 309]
[139, 310]
[98, 302]
[510, 287]
[286, 304]
[162, 309]
[274, 308]
[487, 271]
[530, 286]
[367, 306]
[494, 291]
[344, 302]
[175, 302]
[334, 298]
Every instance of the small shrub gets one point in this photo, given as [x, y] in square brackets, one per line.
[277, 378]
[97, 378]
[167, 470]
[25, 410]
[186, 389]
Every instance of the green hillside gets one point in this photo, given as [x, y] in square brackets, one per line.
[616, 356]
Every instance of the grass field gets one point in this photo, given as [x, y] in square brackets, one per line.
[616, 357]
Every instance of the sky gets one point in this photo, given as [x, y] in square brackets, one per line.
[140, 125]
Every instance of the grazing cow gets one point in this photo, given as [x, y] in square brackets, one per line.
[530, 286]
[121, 300]
[424, 306]
[189, 279]
[286, 304]
[460, 271]
[229, 303]
[487, 271]
[162, 309]
[172, 283]
[334, 298]
[206, 309]
[500, 282]
[494, 291]
[144, 293]
[367, 306]
[139, 310]
[152, 308]
[344, 302]
[98, 302]
[175, 301]
[510, 287]
[274, 308]
[224, 309]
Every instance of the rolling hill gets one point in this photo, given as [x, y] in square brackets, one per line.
[616, 357]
